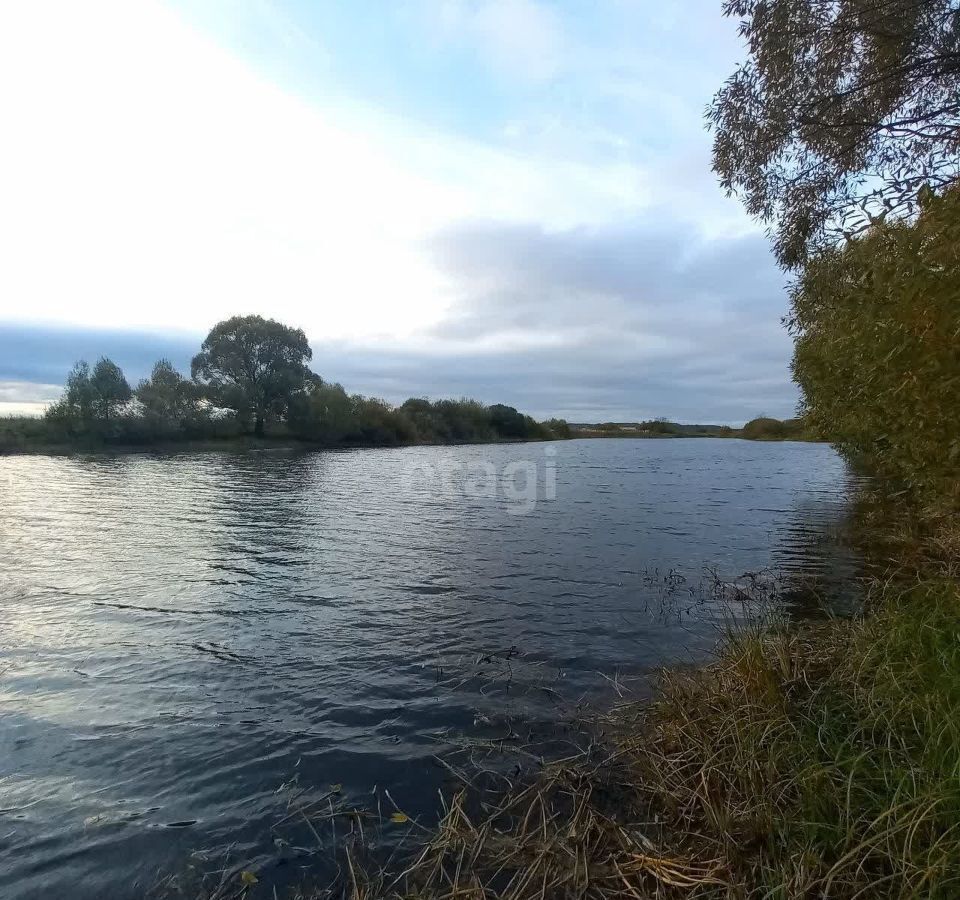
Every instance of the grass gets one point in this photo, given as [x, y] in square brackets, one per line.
[813, 761]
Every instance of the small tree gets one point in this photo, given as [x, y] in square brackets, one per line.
[167, 397]
[254, 366]
[79, 397]
[75, 408]
[110, 389]
[323, 413]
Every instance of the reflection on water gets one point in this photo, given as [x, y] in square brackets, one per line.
[180, 634]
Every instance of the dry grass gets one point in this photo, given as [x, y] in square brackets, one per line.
[821, 761]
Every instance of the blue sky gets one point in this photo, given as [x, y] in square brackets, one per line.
[507, 199]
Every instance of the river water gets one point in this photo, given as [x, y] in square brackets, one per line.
[183, 635]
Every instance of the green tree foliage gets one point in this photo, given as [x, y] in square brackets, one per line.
[765, 428]
[256, 369]
[254, 366]
[169, 402]
[111, 392]
[323, 413]
[559, 429]
[75, 408]
[507, 421]
[843, 110]
[91, 399]
[876, 325]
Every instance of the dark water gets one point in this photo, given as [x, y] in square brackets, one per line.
[182, 635]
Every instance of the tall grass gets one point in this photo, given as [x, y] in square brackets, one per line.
[814, 761]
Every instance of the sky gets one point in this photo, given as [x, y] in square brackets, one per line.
[504, 199]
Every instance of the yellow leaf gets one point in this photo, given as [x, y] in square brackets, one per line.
[399, 818]
[336, 788]
[247, 877]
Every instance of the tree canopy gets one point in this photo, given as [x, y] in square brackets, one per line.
[92, 398]
[876, 324]
[168, 398]
[843, 112]
[111, 392]
[253, 366]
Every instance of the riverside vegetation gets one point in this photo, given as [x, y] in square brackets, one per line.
[251, 381]
[811, 759]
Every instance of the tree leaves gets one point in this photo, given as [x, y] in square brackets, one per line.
[844, 111]
[877, 353]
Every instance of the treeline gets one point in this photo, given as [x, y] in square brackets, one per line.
[762, 428]
[251, 378]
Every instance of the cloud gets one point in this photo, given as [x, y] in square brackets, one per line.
[156, 180]
[573, 257]
[617, 323]
[653, 282]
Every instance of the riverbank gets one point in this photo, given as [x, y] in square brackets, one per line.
[813, 760]
[806, 761]
[810, 759]
[246, 444]
[251, 443]
[762, 428]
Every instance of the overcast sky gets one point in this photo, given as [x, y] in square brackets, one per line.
[505, 199]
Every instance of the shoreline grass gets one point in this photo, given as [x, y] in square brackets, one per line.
[807, 761]
[812, 759]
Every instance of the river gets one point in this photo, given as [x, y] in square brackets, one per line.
[182, 635]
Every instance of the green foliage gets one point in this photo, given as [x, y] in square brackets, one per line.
[252, 369]
[821, 761]
[559, 429]
[876, 325]
[170, 403]
[254, 366]
[92, 400]
[764, 428]
[20, 433]
[842, 109]
[111, 392]
[327, 415]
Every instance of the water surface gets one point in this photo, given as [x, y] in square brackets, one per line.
[180, 635]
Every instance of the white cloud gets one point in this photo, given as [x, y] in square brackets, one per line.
[151, 179]
[18, 398]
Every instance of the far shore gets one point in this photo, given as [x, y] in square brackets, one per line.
[288, 444]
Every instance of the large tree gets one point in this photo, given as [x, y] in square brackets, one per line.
[254, 366]
[845, 111]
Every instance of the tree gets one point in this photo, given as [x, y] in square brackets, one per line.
[876, 324]
[110, 388]
[254, 366]
[507, 421]
[78, 397]
[842, 112]
[323, 413]
[91, 397]
[167, 397]
[76, 406]
[764, 428]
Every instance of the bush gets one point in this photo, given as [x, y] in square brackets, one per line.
[876, 325]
